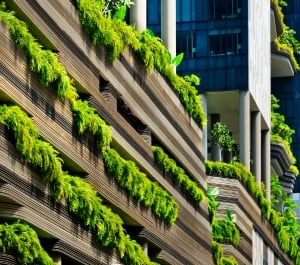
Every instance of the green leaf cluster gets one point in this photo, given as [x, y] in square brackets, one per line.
[238, 171]
[220, 135]
[284, 222]
[218, 255]
[34, 151]
[279, 127]
[281, 132]
[287, 146]
[81, 198]
[86, 118]
[23, 240]
[225, 231]
[285, 225]
[286, 42]
[46, 64]
[170, 166]
[41, 61]
[149, 193]
[212, 202]
[116, 36]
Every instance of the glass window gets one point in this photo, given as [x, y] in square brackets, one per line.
[224, 43]
[185, 10]
[186, 43]
[222, 9]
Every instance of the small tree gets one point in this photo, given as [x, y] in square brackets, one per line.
[221, 136]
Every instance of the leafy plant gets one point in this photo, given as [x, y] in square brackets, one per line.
[286, 42]
[220, 135]
[229, 261]
[86, 118]
[33, 150]
[193, 79]
[285, 225]
[81, 198]
[217, 252]
[170, 166]
[276, 190]
[225, 231]
[139, 186]
[281, 132]
[288, 38]
[212, 202]
[23, 240]
[279, 127]
[230, 216]
[176, 61]
[106, 31]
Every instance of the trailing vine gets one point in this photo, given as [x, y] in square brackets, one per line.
[286, 235]
[46, 64]
[116, 35]
[286, 41]
[224, 231]
[23, 240]
[170, 166]
[281, 132]
[149, 193]
[82, 199]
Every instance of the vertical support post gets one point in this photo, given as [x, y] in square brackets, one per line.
[266, 166]
[204, 130]
[256, 144]
[168, 25]
[145, 247]
[56, 257]
[138, 14]
[245, 128]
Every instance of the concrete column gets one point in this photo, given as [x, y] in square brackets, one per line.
[168, 25]
[256, 144]
[266, 166]
[145, 247]
[56, 257]
[138, 14]
[245, 128]
[204, 130]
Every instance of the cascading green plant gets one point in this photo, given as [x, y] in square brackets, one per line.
[170, 166]
[281, 132]
[223, 230]
[50, 71]
[116, 35]
[45, 62]
[286, 41]
[34, 151]
[285, 225]
[149, 193]
[81, 197]
[23, 240]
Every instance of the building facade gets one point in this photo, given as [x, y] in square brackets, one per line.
[102, 161]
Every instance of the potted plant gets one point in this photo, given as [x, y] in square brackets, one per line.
[221, 139]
